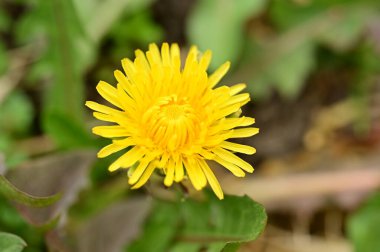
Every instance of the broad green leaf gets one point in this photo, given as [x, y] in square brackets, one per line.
[364, 226]
[234, 219]
[11, 243]
[219, 25]
[190, 225]
[12, 193]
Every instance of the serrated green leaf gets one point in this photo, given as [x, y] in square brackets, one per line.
[364, 226]
[11, 243]
[218, 25]
[12, 193]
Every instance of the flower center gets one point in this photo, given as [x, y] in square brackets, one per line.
[171, 123]
[174, 111]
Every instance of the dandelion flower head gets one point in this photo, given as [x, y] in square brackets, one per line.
[172, 118]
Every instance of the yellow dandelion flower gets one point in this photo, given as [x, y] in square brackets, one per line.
[172, 118]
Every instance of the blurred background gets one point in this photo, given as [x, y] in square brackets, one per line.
[312, 68]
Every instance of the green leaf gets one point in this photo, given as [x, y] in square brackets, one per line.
[89, 12]
[231, 247]
[160, 229]
[348, 29]
[219, 25]
[141, 30]
[190, 225]
[364, 226]
[284, 62]
[11, 243]
[67, 133]
[12, 193]
[234, 219]
[186, 247]
[65, 56]
[288, 72]
[16, 114]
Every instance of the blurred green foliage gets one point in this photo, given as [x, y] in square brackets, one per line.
[219, 25]
[364, 226]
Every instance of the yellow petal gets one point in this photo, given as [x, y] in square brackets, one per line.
[166, 61]
[218, 74]
[128, 159]
[232, 158]
[112, 148]
[230, 123]
[102, 108]
[231, 167]
[238, 147]
[169, 173]
[128, 67]
[237, 88]
[195, 173]
[103, 117]
[141, 61]
[246, 132]
[205, 60]
[215, 186]
[110, 131]
[146, 175]
[108, 92]
[164, 159]
[240, 98]
[144, 162]
[153, 55]
[179, 173]
[226, 111]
